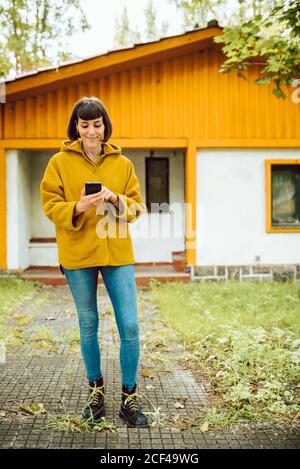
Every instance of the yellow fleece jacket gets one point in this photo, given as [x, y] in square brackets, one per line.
[100, 236]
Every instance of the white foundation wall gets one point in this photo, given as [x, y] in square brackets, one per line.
[231, 209]
[18, 209]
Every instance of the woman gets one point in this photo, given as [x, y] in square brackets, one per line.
[92, 234]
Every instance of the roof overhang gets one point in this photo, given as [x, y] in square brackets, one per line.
[92, 68]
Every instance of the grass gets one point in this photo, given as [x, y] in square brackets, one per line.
[245, 338]
[14, 291]
[75, 423]
[25, 329]
[68, 421]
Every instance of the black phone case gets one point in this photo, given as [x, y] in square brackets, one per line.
[92, 187]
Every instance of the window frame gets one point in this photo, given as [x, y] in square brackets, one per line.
[268, 180]
[148, 160]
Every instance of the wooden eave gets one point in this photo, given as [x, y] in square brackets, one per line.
[109, 62]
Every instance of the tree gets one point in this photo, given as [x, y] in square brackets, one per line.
[264, 29]
[151, 29]
[152, 32]
[250, 8]
[124, 35]
[275, 38]
[34, 33]
[196, 13]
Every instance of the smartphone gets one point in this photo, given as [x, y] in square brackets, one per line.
[92, 187]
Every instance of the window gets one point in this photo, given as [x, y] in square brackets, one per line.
[157, 184]
[284, 195]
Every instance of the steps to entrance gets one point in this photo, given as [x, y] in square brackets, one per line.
[178, 258]
[143, 274]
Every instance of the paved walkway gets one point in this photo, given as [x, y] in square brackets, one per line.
[49, 370]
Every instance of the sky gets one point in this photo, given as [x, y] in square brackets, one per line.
[101, 15]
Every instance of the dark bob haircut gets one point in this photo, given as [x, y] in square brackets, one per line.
[89, 109]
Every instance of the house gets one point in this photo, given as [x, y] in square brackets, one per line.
[221, 154]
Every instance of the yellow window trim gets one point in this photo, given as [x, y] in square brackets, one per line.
[269, 227]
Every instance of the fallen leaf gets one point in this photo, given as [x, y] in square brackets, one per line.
[76, 426]
[150, 386]
[38, 408]
[26, 408]
[185, 424]
[35, 409]
[204, 427]
[146, 373]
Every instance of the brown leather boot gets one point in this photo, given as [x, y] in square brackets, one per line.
[94, 408]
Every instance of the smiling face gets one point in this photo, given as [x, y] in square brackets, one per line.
[91, 132]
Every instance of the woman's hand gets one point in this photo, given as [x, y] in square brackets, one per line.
[93, 200]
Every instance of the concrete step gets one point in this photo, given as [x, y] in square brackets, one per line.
[178, 258]
[143, 275]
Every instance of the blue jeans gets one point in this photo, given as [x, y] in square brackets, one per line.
[119, 282]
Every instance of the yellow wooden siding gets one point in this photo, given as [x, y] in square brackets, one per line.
[30, 118]
[183, 97]
[50, 120]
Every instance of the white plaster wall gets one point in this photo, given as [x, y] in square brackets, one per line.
[156, 235]
[41, 225]
[231, 209]
[40, 254]
[18, 209]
